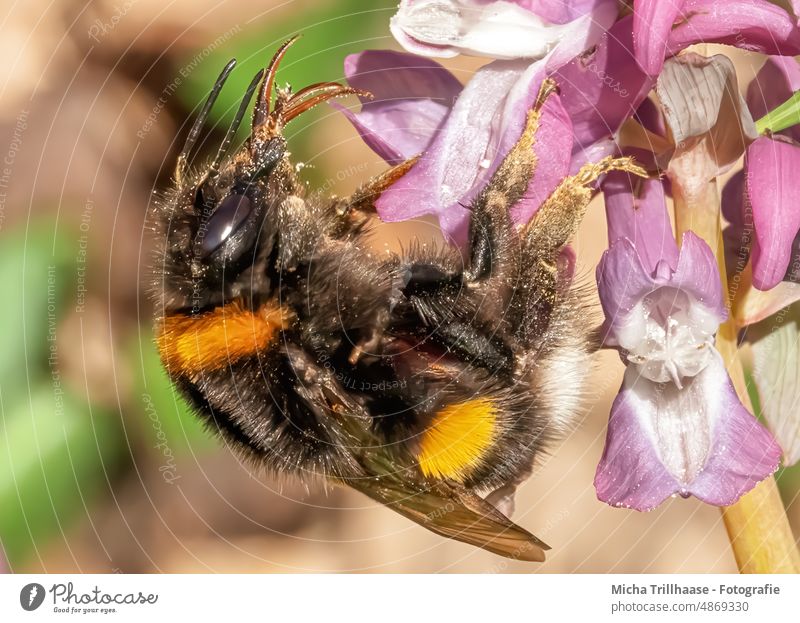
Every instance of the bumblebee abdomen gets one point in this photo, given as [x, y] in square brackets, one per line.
[458, 438]
[191, 344]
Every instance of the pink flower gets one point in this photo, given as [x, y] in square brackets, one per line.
[464, 134]
[601, 88]
[412, 98]
[665, 27]
[677, 426]
[766, 193]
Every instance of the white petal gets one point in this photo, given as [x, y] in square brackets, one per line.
[680, 422]
[500, 29]
[709, 120]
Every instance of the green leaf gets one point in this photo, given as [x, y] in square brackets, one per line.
[37, 270]
[56, 455]
[784, 116]
[776, 372]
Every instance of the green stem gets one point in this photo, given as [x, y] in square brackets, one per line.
[784, 116]
[758, 529]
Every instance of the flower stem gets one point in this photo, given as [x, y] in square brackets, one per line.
[697, 210]
[758, 529]
[784, 116]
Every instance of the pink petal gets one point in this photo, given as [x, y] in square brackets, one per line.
[485, 122]
[738, 235]
[413, 95]
[652, 23]
[592, 153]
[773, 188]
[698, 274]
[560, 11]
[630, 472]
[604, 86]
[755, 305]
[391, 75]
[501, 30]
[772, 86]
[641, 217]
[584, 32]
[755, 25]
[774, 83]
[698, 440]
[622, 281]
[455, 164]
[743, 453]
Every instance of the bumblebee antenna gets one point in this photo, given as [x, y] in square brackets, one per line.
[312, 95]
[261, 111]
[237, 120]
[191, 139]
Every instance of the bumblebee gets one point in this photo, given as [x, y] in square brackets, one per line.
[429, 381]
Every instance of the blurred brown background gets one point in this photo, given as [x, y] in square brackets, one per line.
[101, 467]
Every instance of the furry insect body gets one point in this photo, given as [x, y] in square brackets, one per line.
[424, 381]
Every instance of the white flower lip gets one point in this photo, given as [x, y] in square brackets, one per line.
[668, 336]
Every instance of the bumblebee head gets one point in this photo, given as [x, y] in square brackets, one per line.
[222, 222]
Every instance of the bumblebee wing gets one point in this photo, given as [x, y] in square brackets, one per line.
[453, 511]
[444, 507]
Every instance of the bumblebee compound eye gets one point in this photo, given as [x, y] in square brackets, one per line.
[225, 220]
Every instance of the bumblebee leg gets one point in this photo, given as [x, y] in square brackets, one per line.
[558, 219]
[354, 212]
[554, 225]
[491, 233]
[494, 257]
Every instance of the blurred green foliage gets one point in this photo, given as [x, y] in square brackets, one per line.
[56, 449]
[329, 34]
[788, 478]
[58, 454]
[35, 268]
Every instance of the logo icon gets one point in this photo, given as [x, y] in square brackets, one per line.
[31, 596]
